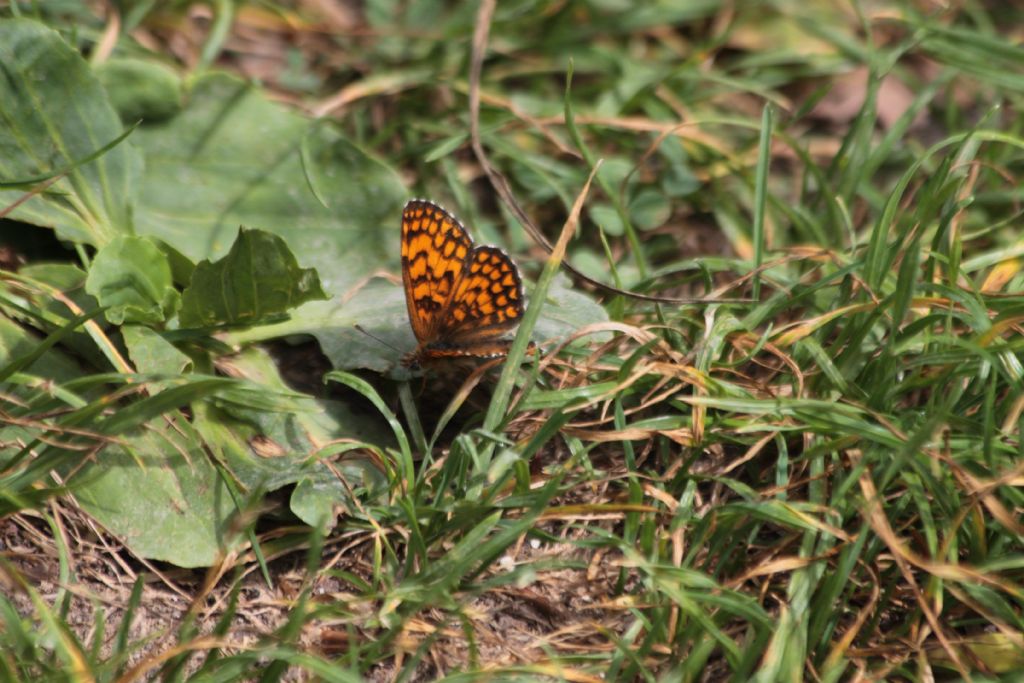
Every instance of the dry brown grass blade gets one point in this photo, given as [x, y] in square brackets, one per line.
[1001, 274]
[94, 329]
[683, 437]
[840, 650]
[139, 671]
[875, 514]
[108, 40]
[29, 195]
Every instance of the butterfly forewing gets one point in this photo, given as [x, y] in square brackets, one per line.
[435, 247]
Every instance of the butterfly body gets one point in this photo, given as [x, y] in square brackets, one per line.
[462, 299]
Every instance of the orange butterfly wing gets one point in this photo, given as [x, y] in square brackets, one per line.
[460, 298]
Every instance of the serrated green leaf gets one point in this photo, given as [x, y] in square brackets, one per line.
[132, 278]
[258, 278]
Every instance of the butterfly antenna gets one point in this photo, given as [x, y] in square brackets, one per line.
[376, 338]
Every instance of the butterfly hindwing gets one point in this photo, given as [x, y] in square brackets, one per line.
[488, 299]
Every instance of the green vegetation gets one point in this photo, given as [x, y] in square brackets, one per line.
[774, 432]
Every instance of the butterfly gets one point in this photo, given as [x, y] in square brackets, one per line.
[462, 298]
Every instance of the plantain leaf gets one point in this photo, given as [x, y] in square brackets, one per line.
[232, 157]
[257, 279]
[159, 492]
[54, 115]
[379, 309]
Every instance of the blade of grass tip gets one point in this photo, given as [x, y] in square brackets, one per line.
[120, 650]
[412, 418]
[764, 155]
[223, 16]
[503, 392]
[408, 470]
[243, 508]
[99, 633]
[134, 16]
[989, 421]
[878, 256]
[62, 602]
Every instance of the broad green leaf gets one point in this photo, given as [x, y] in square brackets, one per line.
[258, 278]
[649, 209]
[379, 309]
[151, 353]
[132, 277]
[617, 170]
[270, 449]
[319, 494]
[140, 89]
[607, 218]
[232, 157]
[53, 115]
[565, 311]
[160, 494]
[677, 178]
